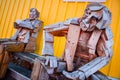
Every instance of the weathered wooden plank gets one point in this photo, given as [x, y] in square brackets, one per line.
[43, 75]
[39, 72]
[94, 77]
[4, 40]
[83, 56]
[25, 57]
[16, 75]
[53, 26]
[93, 66]
[35, 70]
[88, 69]
[14, 46]
[109, 43]
[76, 75]
[91, 63]
[1, 64]
[71, 44]
[108, 33]
[101, 48]
[93, 41]
[1, 49]
[61, 66]
[31, 45]
[47, 48]
[101, 76]
[30, 57]
[4, 65]
[1, 58]
[58, 28]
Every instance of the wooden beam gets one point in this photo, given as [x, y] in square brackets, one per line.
[24, 56]
[16, 75]
[93, 41]
[39, 72]
[35, 70]
[29, 57]
[71, 44]
[4, 65]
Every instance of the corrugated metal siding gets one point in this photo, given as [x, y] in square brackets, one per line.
[52, 11]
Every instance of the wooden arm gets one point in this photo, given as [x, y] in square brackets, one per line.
[88, 69]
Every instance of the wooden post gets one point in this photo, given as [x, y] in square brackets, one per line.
[4, 64]
[39, 72]
[71, 44]
[35, 71]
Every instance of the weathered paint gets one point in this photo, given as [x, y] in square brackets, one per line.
[52, 11]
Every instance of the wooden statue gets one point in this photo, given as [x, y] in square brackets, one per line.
[88, 46]
[24, 40]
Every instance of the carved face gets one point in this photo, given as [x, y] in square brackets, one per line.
[33, 14]
[90, 19]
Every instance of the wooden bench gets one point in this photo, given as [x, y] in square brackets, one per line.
[18, 72]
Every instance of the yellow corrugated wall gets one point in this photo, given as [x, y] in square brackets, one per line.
[52, 11]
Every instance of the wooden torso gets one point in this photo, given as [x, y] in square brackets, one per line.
[82, 55]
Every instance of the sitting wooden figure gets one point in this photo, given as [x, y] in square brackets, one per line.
[88, 46]
[24, 39]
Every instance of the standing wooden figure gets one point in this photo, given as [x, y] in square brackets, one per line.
[24, 40]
